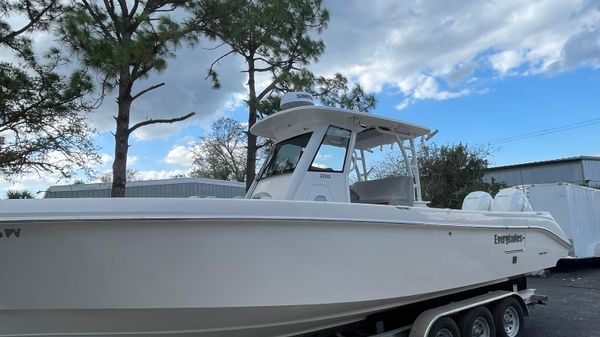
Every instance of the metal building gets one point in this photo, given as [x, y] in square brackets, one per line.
[166, 188]
[584, 170]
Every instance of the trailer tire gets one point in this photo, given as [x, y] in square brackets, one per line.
[444, 327]
[477, 322]
[509, 318]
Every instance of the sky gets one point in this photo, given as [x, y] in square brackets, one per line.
[522, 77]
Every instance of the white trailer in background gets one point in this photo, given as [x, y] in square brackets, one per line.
[575, 208]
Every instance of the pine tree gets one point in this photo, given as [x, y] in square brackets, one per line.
[124, 42]
[273, 37]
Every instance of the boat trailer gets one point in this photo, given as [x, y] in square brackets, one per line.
[476, 315]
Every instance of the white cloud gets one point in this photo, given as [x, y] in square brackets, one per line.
[507, 60]
[186, 90]
[105, 159]
[403, 104]
[188, 140]
[157, 175]
[462, 72]
[132, 160]
[425, 87]
[582, 48]
[17, 186]
[381, 47]
[429, 89]
[180, 155]
[394, 44]
[32, 182]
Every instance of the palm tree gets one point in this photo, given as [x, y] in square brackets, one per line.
[19, 195]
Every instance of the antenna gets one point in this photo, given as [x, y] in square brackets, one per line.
[296, 99]
[431, 134]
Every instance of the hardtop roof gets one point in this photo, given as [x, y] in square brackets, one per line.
[291, 122]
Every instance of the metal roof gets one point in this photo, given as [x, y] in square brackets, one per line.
[96, 186]
[545, 162]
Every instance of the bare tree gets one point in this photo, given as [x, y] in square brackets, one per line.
[222, 153]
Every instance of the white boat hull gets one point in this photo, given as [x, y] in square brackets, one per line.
[265, 268]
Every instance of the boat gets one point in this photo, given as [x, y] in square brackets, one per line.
[301, 252]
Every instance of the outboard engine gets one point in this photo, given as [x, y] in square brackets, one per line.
[511, 200]
[478, 201]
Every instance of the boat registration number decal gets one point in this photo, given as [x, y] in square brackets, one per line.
[506, 239]
[10, 233]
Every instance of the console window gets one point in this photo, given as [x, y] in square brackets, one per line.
[332, 152]
[286, 155]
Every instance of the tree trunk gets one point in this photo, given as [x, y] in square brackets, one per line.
[122, 136]
[251, 159]
[252, 105]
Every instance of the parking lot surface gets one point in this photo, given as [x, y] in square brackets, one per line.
[573, 308]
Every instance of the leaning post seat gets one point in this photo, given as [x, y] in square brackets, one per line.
[392, 190]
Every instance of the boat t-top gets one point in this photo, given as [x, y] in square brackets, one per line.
[317, 242]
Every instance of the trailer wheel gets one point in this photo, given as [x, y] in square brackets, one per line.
[477, 322]
[444, 327]
[509, 318]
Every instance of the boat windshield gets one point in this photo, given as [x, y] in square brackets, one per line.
[332, 152]
[286, 155]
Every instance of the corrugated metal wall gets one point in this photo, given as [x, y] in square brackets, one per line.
[99, 193]
[164, 189]
[591, 169]
[569, 172]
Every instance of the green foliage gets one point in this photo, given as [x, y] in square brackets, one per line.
[19, 195]
[111, 38]
[590, 184]
[222, 154]
[448, 173]
[42, 121]
[391, 165]
[38, 16]
[273, 36]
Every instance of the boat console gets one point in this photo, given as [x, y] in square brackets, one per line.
[318, 148]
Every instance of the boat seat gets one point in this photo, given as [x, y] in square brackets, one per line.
[354, 197]
[390, 191]
[511, 200]
[478, 201]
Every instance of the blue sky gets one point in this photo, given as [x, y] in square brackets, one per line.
[518, 105]
[476, 70]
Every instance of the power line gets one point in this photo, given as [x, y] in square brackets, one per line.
[544, 132]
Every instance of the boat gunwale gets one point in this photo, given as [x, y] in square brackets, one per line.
[553, 235]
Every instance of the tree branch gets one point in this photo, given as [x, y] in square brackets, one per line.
[146, 90]
[32, 21]
[98, 20]
[219, 59]
[214, 48]
[159, 121]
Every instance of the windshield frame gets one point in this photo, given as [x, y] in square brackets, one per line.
[313, 168]
[273, 156]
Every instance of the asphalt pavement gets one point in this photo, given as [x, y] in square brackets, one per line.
[573, 307]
